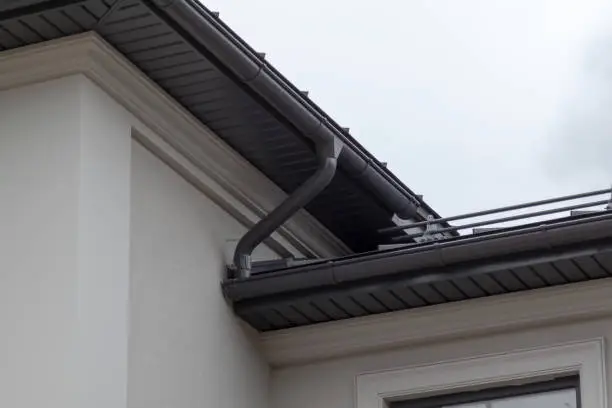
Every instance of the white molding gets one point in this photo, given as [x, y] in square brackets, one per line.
[586, 358]
[173, 133]
[586, 300]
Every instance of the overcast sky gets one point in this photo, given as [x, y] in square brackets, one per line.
[473, 103]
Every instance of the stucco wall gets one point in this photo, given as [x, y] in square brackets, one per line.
[38, 244]
[64, 212]
[186, 347]
[110, 266]
[331, 383]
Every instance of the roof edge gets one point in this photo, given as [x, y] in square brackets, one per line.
[252, 72]
[423, 260]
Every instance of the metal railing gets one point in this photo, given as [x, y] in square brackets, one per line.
[435, 229]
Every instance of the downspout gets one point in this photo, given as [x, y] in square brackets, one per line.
[327, 155]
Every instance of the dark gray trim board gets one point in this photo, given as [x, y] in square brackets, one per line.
[541, 255]
[189, 52]
[496, 393]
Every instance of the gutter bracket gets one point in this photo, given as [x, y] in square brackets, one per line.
[327, 156]
[430, 233]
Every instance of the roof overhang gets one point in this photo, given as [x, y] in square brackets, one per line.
[554, 253]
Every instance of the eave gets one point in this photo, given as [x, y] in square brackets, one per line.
[540, 255]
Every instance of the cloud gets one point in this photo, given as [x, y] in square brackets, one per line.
[473, 103]
[580, 142]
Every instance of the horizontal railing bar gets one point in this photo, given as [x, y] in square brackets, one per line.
[409, 237]
[494, 211]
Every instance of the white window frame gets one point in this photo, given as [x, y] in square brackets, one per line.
[585, 358]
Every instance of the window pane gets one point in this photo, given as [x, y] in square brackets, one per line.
[558, 393]
[552, 399]
[479, 405]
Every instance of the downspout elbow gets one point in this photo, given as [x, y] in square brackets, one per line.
[327, 154]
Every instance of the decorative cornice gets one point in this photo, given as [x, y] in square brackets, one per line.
[173, 134]
[562, 304]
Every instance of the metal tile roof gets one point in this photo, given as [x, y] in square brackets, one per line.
[195, 78]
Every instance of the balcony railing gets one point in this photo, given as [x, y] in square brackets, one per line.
[489, 221]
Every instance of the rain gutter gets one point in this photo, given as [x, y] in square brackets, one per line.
[377, 267]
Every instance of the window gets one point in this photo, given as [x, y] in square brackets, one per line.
[566, 376]
[558, 393]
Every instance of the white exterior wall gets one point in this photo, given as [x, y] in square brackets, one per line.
[110, 266]
[186, 348]
[64, 212]
[38, 243]
[332, 383]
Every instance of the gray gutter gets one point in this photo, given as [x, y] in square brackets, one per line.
[430, 257]
[209, 34]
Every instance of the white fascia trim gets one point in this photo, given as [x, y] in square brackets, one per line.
[173, 134]
[513, 367]
[477, 317]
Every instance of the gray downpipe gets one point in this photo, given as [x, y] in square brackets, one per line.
[327, 155]
[211, 34]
